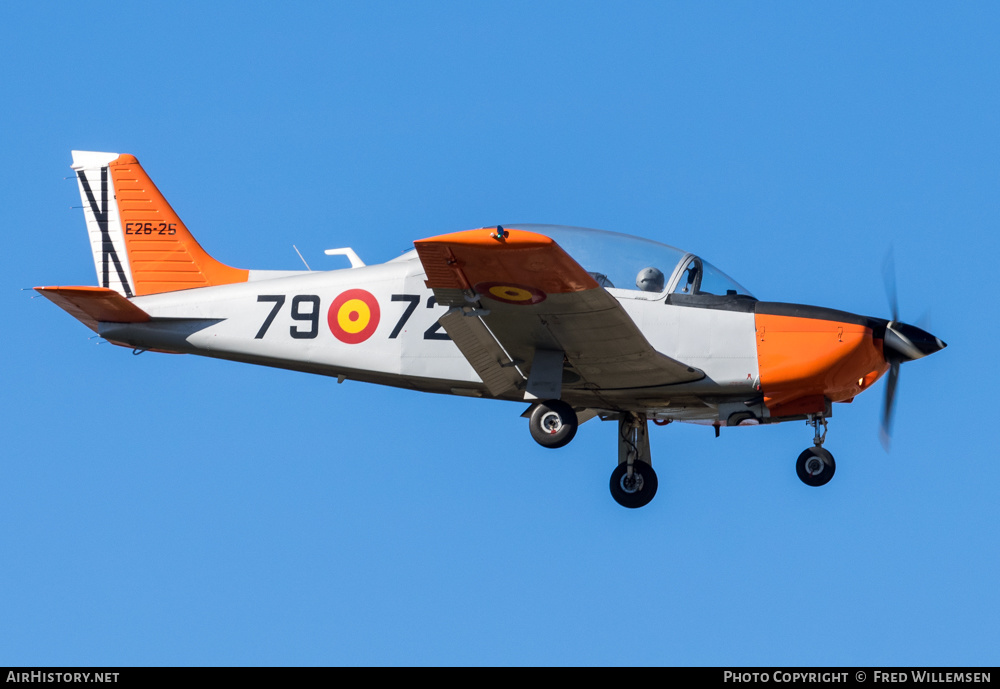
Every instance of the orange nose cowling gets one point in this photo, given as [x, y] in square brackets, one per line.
[805, 361]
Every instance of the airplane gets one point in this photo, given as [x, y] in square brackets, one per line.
[578, 323]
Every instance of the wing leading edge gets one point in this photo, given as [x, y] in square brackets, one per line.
[523, 292]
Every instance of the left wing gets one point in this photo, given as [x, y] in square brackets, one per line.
[539, 310]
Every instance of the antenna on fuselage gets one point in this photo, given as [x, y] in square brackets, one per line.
[300, 256]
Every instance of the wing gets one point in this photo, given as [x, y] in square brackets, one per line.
[524, 303]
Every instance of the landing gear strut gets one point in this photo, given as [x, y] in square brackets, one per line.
[633, 482]
[815, 466]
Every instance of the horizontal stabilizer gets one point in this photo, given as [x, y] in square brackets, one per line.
[93, 305]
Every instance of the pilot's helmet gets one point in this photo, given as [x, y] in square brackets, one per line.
[650, 280]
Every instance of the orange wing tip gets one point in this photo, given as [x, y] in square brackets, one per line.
[125, 159]
[487, 237]
[93, 305]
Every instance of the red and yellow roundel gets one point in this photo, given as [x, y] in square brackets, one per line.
[353, 316]
[509, 293]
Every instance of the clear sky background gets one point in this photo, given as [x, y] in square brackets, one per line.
[174, 510]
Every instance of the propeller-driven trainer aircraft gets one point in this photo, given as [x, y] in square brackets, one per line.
[579, 323]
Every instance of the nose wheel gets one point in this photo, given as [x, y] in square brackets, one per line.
[815, 466]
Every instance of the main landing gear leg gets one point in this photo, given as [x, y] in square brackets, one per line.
[815, 466]
[633, 482]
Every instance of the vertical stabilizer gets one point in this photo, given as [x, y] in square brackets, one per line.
[140, 245]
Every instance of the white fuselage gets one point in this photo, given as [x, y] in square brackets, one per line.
[287, 322]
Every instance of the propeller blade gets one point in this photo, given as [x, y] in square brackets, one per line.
[885, 432]
[903, 342]
[889, 276]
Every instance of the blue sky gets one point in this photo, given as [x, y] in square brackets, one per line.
[170, 510]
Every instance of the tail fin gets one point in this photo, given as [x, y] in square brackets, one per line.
[140, 246]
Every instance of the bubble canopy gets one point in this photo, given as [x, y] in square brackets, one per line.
[633, 263]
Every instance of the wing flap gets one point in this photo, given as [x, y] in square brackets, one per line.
[482, 351]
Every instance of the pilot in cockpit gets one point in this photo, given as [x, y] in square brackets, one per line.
[650, 280]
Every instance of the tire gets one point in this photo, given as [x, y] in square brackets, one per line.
[553, 423]
[815, 467]
[641, 492]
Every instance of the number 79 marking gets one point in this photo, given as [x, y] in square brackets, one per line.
[310, 315]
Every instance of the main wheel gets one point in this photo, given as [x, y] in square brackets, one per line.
[815, 466]
[636, 491]
[553, 423]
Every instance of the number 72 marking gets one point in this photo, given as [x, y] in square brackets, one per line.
[432, 333]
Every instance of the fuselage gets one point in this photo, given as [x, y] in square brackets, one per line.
[379, 324]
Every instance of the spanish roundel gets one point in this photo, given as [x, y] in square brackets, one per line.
[353, 316]
[521, 295]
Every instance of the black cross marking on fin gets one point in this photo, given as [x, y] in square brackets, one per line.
[101, 215]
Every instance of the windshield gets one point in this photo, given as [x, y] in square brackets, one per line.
[701, 277]
[626, 262]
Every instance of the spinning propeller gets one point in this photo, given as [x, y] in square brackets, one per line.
[903, 342]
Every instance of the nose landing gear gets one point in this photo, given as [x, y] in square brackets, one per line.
[815, 466]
